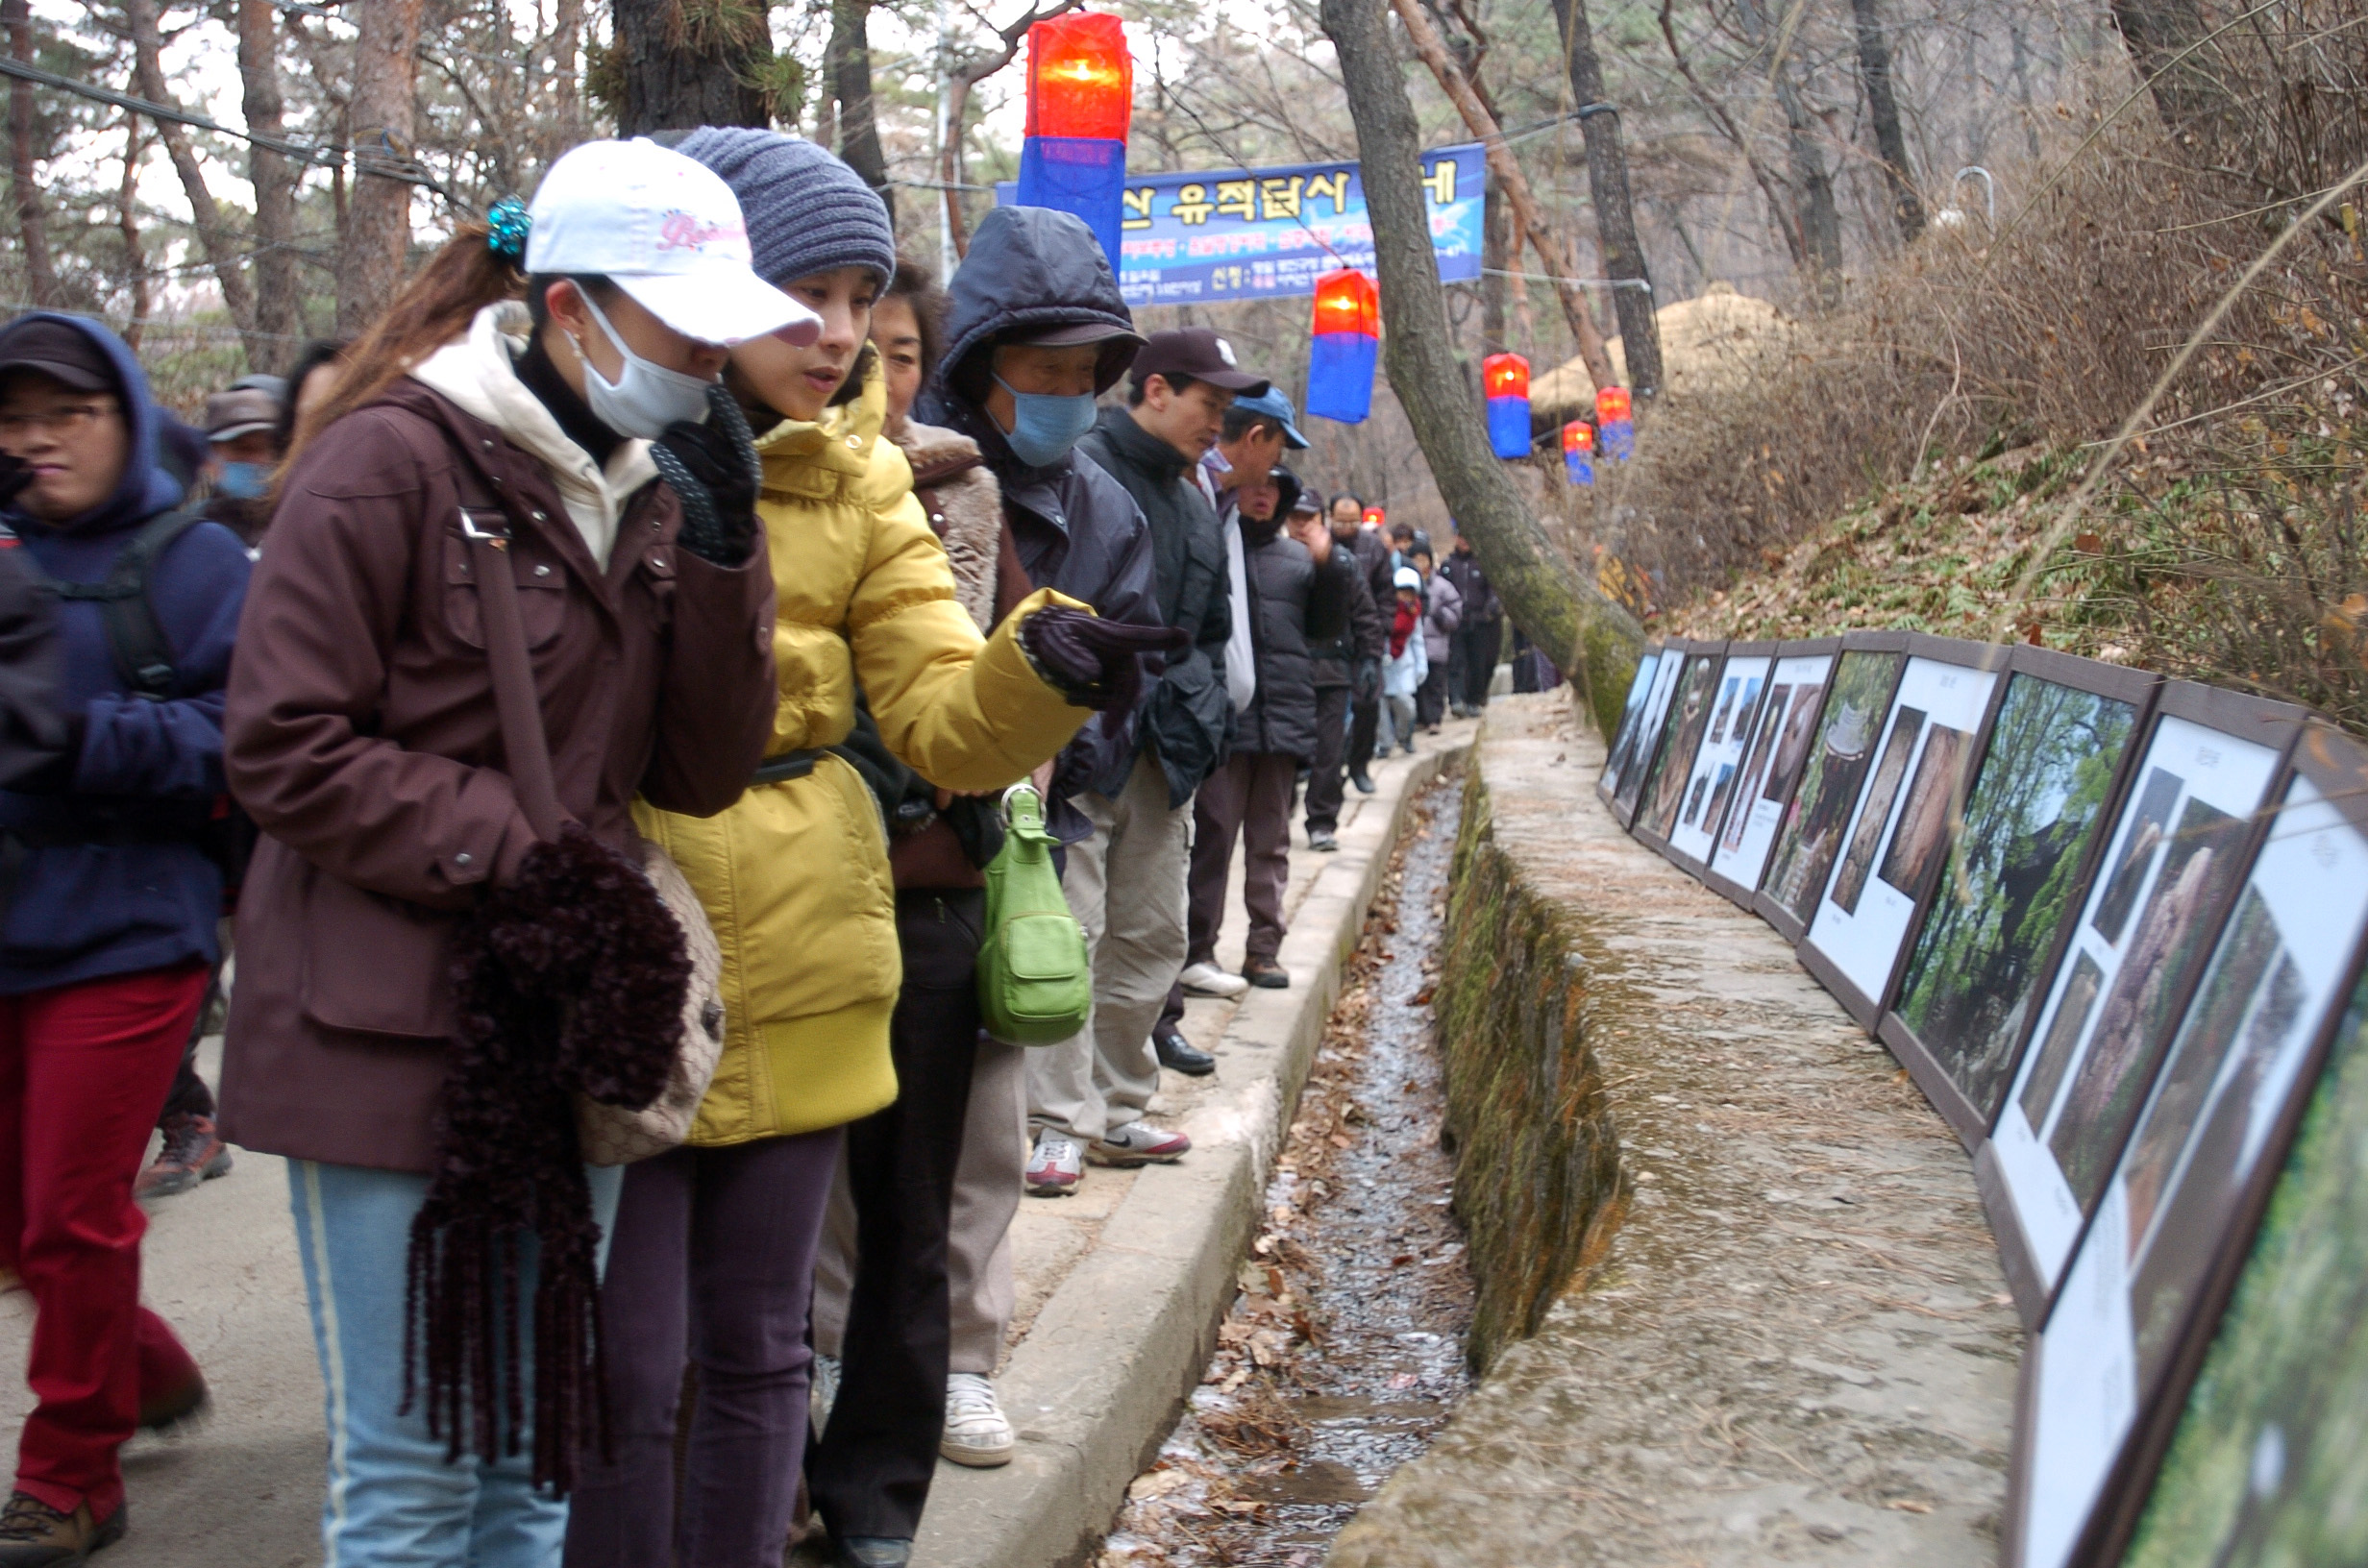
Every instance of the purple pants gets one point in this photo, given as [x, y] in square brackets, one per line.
[712, 1263]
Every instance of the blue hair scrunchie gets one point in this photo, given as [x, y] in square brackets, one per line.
[510, 222]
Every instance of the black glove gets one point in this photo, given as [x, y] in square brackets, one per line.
[1093, 662]
[713, 468]
[1366, 684]
[14, 475]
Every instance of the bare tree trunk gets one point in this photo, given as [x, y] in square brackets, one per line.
[274, 176]
[221, 247]
[851, 82]
[1543, 591]
[32, 218]
[127, 217]
[687, 66]
[566, 66]
[1812, 189]
[1496, 261]
[1883, 107]
[1616, 219]
[1509, 178]
[378, 218]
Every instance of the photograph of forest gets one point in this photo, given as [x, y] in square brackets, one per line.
[1631, 720]
[2012, 878]
[1851, 881]
[1654, 728]
[1811, 831]
[1690, 715]
[2269, 1465]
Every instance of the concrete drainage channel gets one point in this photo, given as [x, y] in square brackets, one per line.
[1344, 1350]
[1097, 1384]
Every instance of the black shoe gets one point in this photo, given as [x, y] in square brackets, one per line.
[1365, 785]
[1180, 1054]
[871, 1552]
[1267, 973]
[1322, 838]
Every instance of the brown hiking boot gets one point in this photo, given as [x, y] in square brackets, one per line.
[33, 1534]
[194, 1152]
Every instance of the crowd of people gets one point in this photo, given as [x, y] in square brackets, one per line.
[671, 531]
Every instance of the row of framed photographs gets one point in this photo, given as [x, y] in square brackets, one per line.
[2114, 927]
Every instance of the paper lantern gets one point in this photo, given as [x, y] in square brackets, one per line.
[1506, 378]
[1579, 451]
[1374, 517]
[1347, 342]
[1615, 413]
[1080, 100]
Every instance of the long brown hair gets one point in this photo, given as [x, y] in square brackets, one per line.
[434, 307]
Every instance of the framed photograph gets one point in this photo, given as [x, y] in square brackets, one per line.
[2184, 832]
[1631, 720]
[1891, 847]
[1718, 761]
[2184, 1199]
[2266, 1455]
[1682, 729]
[2007, 876]
[1772, 761]
[1645, 745]
[1808, 833]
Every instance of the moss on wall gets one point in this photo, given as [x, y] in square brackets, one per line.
[1538, 1183]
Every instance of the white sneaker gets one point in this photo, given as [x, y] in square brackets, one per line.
[1208, 980]
[825, 1392]
[977, 1433]
[1056, 1167]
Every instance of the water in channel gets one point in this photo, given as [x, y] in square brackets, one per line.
[1343, 1352]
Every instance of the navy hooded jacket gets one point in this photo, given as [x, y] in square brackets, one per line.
[119, 879]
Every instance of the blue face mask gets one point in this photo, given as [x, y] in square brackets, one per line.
[1045, 424]
[244, 481]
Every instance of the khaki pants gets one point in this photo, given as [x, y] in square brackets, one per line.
[1125, 886]
[986, 1195]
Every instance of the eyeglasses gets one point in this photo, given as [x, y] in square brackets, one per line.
[73, 420]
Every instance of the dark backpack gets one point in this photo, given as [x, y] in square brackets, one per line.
[144, 660]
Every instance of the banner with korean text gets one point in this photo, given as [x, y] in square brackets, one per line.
[1268, 233]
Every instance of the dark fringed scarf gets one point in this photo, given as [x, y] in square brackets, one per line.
[569, 981]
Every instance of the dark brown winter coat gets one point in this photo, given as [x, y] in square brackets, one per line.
[362, 735]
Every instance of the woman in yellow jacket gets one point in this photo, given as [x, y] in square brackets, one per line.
[713, 1252]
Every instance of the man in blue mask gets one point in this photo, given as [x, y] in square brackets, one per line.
[242, 428]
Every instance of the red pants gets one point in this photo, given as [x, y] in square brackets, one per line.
[84, 1070]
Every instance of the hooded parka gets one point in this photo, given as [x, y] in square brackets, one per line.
[795, 875]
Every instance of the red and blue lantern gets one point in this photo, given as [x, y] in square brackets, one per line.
[1615, 414]
[1340, 368]
[1505, 377]
[1579, 451]
[1080, 101]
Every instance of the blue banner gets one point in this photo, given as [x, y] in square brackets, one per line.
[1268, 233]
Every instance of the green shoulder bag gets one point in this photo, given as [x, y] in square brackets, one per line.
[1035, 979]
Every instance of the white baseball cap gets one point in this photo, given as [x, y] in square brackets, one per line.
[667, 230]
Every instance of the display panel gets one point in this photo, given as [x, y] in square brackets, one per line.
[1631, 720]
[1718, 762]
[2161, 891]
[1688, 718]
[2269, 1461]
[1772, 762]
[1929, 740]
[1810, 835]
[2283, 965]
[1650, 726]
[1987, 943]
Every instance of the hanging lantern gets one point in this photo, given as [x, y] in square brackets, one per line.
[1615, 413]
[1579, 451]
[1374, 517]
[1347, 341]
[1080, 99]
[1506, 378]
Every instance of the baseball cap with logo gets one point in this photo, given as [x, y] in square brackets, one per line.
[1198, 352]
[666, 230]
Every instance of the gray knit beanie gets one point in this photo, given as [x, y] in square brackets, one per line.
[806, 212]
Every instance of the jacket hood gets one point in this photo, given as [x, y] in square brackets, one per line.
[147, 487]
[1036, 268]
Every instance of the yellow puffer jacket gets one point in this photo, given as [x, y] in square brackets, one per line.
[795, 875]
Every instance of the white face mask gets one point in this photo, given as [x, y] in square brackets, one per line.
[646, 397]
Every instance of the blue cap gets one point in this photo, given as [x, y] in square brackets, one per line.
[1272, 403]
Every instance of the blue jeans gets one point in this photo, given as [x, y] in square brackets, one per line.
[393, 1501]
